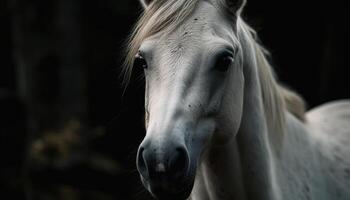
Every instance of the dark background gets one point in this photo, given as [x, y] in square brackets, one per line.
[66, 130]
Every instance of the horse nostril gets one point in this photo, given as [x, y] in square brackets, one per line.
[179, 163]
[158, 165]
[141, 164]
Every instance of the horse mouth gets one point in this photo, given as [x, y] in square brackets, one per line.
[170, 190]
[172, 194]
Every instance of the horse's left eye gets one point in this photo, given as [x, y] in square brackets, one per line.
[223, 63]
[140, 61]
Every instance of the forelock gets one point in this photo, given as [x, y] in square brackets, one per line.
[161, 17]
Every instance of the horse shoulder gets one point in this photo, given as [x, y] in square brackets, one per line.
[329, 126]
[331, 119]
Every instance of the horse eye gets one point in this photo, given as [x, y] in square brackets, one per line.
[140, 61]
[223, 63]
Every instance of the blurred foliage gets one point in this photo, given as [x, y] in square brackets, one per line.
[64, 165]
[69, 146]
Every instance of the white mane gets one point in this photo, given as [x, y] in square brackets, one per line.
[276, 98]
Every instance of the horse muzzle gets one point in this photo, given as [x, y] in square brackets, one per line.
[165, 169]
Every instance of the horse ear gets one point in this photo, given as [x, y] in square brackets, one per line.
[145, 3]
[236, 6]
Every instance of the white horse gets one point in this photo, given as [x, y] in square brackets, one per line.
[219, 126]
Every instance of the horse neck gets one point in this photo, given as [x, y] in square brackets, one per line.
[296, 164]
[241, 169]
[253, 139]
[265, 168]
